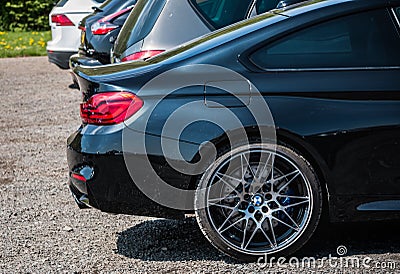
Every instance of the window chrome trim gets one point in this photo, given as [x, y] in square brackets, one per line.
[396, 17]
[327, 69]
[252, 7]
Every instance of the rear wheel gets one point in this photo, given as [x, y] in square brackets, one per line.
[258, 200]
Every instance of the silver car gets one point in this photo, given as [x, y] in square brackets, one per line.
[158, 25]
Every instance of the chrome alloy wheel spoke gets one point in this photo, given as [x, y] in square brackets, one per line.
[233, 224]
[290, 218]
[295, 173]
[220, 199]
[293, 197]
[272, 231]
[286, 224]
[248, 166]
[222, 179]
[262, 170]
[245, 232]
[296, 204]
[222, 206]
[259, 227]
[228, 218]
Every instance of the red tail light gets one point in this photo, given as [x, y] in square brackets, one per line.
[116, 14]
[142, 55]
[102, 28]
[104, 25]
[110, 108]
[61, 20]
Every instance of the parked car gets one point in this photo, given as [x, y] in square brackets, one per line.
[101, 28]
[329, 72]
[64, 19]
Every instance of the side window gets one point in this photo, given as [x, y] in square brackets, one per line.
[359, 40]
[266, 5]
[61, 3]
[221, 13]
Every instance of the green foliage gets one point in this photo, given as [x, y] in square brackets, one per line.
[26, 15]
[32, 43]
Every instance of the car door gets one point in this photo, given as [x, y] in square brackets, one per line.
[336, 85]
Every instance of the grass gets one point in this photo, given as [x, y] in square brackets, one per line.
[18, 44]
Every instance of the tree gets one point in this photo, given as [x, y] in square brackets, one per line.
[25, 15]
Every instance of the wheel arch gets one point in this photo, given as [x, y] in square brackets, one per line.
[291, 140]
[306, 150]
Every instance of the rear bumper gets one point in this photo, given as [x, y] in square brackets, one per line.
[60, 58]
[81, 199]
[102, 181]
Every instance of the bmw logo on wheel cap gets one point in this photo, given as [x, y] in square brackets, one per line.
[257, 200]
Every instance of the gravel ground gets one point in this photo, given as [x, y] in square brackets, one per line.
[42, 230]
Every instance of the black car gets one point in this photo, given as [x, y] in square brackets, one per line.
[101, 28]
[260, 128]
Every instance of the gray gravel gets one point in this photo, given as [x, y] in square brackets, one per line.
[42, 230]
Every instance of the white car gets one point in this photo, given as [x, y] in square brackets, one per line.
[64, 21]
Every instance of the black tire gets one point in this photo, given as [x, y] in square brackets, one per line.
[263, 211]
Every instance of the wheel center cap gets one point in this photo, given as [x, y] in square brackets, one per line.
[257, 200]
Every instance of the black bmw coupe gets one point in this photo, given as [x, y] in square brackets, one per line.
[260, 128]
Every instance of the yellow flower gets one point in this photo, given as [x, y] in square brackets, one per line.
[20, 39]
[8, 47]
[2, 33]
[41, 43]
[31, 41]
[23, 47]
[3, 43]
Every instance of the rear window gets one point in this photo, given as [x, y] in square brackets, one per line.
[112, 6]
[120, 20]
[139, 23]
[221, 13]
[61, 3]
